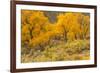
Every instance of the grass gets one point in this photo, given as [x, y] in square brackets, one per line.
[72, 50]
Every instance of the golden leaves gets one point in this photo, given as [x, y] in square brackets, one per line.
[38, 33]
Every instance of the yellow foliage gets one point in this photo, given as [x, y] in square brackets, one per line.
[69, 28]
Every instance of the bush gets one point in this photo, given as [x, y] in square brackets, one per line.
[75, 50]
